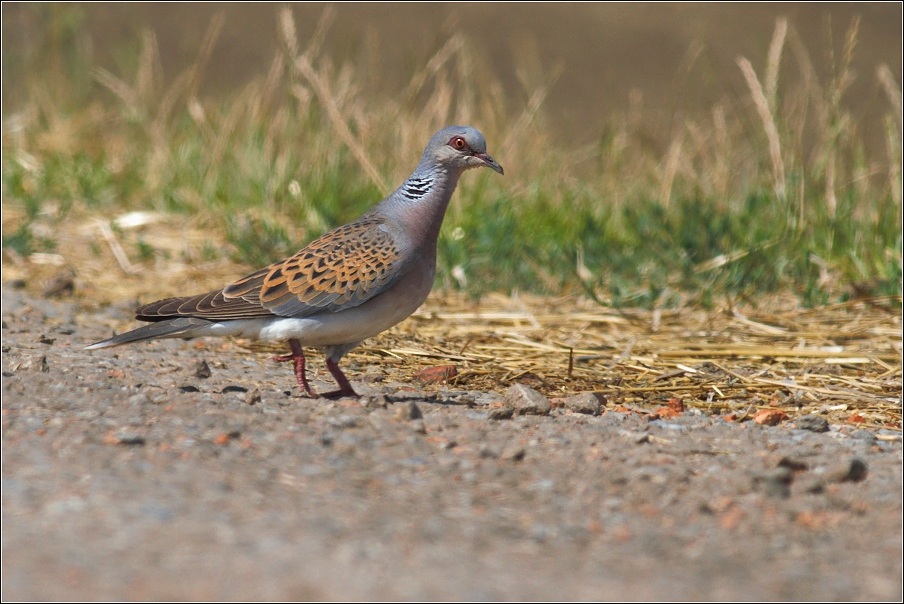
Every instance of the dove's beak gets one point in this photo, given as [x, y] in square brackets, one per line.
[489, 162]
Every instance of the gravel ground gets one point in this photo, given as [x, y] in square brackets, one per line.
[128, 474]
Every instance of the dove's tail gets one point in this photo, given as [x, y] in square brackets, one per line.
[171, 328]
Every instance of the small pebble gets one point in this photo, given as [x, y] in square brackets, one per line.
[815, 486]
[409, 411]
[795, 465]
[486, 452]
[139, 399]
[864, 435]
[637, 438]
[32, 363]
[775, 483]
[852, 470]
[202, 369]
[253, 397]
[344, 421]
[814, 423]
[498, 413]
[373, 375]
[130, 439]
[375, 402]
[513, 453]
[588, 403]
[62, 284]
[527, 401]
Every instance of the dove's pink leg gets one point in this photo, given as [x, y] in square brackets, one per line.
[297, 357]
[345, 388]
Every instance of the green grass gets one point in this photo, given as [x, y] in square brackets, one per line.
[628, 225]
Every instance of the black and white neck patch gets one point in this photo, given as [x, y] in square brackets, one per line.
[416, 188]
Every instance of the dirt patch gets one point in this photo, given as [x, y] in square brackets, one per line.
[128, 473]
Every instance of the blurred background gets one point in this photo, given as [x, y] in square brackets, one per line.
[655, 154]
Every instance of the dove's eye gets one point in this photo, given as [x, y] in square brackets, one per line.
[458, 143]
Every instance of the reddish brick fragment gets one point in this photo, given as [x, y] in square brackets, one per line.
[769, 417]
[437, 374]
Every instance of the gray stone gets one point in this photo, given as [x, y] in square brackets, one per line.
[814, 423]
[527, 401]
[409, 411]
[253, 397]
[852, 470]
[344, 421]
[513, 453]
[795, 465]
[814, 486]
[139, 399]
[775, 483]
[635, 437]
[375, 402]
[62, 284]
[130, 438]
[864, 435]
[498, 413]
[31, 363]
[202, 369]
[588, 403]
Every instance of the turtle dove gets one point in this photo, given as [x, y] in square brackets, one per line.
[344, 287]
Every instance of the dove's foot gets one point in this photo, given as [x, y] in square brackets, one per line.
[297, 357]
[345, 388]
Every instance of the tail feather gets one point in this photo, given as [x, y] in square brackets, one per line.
[161, 329]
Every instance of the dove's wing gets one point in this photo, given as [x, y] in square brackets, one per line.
[340, 270]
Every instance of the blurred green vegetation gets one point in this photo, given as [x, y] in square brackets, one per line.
[739, 205]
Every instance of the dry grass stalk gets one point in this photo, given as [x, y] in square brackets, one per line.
[892, 91]
[893, 143]
[831, 199]
[450, 49]
[321, 86]
[813, 92]
[774, 60]
[120, 254]
[529, 113]
[847, 58]
[671, 168]
[224, 132]
[207, 44]
[327, 100]
[766, 116]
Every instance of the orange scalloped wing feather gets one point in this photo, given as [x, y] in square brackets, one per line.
[341, 269]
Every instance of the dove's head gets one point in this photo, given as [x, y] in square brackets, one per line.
[459, 148]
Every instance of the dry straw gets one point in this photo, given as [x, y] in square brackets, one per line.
[841, 361]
